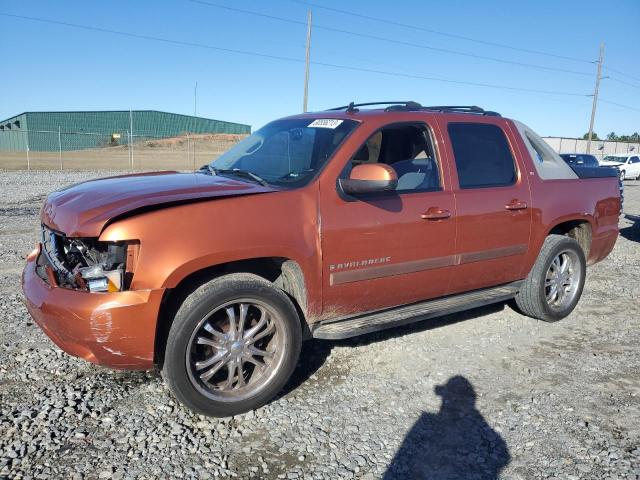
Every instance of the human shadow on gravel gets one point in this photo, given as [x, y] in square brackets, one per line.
[632, 232]
[315, 352]
[455, 443]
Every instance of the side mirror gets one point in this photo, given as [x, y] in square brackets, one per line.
[370, 178]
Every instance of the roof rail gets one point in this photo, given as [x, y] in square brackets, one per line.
[411, 106]
[352, 107]
[463, 109]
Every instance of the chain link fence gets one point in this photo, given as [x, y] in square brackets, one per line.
[599, 148]
[60, 150]
[53, 150]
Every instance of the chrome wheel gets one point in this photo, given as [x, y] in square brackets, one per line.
[235, 350]
[562, 281]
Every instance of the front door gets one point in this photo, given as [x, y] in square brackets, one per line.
[393, 248]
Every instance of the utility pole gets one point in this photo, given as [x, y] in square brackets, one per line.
[306, 69]
[195, 99]
[595, 97]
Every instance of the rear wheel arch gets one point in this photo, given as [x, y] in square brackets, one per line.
[286, 274]
[580, 230]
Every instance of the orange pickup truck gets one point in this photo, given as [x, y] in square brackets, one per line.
[322, 225]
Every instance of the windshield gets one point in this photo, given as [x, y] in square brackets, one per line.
[286, 153]
[611, 158]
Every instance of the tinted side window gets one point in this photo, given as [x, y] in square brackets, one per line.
[635, 160]
[482, 154]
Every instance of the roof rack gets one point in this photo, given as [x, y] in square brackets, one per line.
[352, 107]
[463, 109]
[411, 106]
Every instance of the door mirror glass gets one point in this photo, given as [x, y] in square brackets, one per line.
[370, 178]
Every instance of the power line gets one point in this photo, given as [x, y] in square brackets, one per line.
[622, 73]
[623, 82]
[439, 32]
[291, 59]
[459, 82]
[391, 40]
[151, 37]
[635, 109]
[462, 37]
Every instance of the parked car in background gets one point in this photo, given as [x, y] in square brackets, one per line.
[581, 163]
[580, 159]
[629, 165]
[322, 225]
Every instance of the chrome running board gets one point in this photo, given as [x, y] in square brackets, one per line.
[359, 324]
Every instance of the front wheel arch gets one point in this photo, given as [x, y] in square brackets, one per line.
[286, 274]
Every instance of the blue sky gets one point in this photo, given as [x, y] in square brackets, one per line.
[54, 67]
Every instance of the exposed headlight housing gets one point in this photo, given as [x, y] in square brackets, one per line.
[100, 280]
[89, 264]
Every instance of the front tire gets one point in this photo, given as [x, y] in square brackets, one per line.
[232, 346]
[553, 287]
[622, 175]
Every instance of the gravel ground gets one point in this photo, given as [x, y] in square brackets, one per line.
[483, 394]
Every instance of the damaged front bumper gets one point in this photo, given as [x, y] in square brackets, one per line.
[114, 329]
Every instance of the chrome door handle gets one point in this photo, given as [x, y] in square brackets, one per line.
[435, 213]
[516, 205]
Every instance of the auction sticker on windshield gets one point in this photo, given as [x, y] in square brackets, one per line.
[325, 123]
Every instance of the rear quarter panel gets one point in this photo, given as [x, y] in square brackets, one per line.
[595, 200]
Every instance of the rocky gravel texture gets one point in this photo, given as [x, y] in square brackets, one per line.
[482, 394]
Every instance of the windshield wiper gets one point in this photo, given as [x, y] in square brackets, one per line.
[238, 172]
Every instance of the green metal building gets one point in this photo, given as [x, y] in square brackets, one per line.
[51, 131]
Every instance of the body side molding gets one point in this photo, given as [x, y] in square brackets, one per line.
[380, 271]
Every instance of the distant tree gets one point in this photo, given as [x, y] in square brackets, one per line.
[594, 136]
[612, 137]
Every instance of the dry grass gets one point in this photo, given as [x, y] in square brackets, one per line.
[178, 153]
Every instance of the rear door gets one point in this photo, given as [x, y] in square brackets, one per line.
[493, 212]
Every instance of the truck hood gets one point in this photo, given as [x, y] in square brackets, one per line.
[84, 209]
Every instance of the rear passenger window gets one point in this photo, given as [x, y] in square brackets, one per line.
[482, 154]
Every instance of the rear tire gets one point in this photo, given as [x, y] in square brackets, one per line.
[232, 346]
[553, 287]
